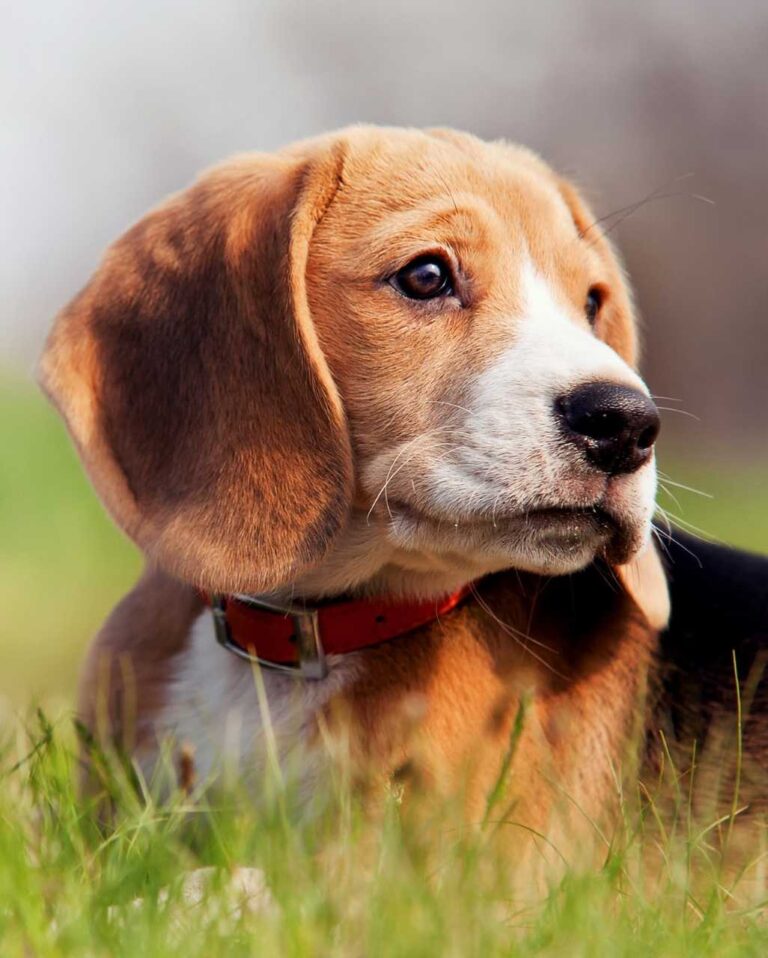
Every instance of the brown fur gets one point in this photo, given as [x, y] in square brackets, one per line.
[442, 704]
[192, 465]
[235, 362]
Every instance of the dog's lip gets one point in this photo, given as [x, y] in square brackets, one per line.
[556, 529]
[564, 514]
[535, 519]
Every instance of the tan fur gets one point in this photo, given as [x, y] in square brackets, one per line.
[440, 706]
[231, 375]
[483, 211]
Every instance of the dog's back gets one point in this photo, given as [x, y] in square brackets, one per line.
[712, 707]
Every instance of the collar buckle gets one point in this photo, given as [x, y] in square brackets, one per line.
[310, 664]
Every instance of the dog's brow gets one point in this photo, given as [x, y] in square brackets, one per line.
[404, 232]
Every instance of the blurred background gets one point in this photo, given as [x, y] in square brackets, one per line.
[658, 110]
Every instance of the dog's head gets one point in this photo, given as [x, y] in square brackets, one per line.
[412, 349]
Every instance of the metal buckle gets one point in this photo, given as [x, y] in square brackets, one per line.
[311, 662]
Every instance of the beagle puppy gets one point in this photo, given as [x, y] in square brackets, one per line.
[370, 407]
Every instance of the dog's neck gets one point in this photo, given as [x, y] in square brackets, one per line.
[363, 562]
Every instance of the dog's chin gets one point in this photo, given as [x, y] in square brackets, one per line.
[553, 541]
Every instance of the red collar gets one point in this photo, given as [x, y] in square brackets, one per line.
[296, 639]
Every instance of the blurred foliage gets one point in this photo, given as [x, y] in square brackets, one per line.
[64, 564]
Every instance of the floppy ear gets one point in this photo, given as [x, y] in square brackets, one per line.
[645, 582]
[191, 379]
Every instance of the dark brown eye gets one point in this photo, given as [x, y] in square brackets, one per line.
[593, 304]
[425, 277]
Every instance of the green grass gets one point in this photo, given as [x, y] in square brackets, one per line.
[63, 562]
[727, 501]
[340, 885]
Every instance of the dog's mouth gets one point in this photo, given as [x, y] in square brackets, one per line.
[564, 527]
[556, 530]
[537, 519]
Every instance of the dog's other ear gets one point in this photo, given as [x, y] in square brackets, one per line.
[645, 582]
[618, 321]
[191, 379]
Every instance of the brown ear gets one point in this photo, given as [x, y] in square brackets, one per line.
[191, 379]
[645, 582]
[618, 323]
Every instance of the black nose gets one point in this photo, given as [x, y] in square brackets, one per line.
[615, 426]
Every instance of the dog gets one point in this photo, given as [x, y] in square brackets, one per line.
[370, 407]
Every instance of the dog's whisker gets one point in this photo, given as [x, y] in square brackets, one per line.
[660, 539]
[655, 195]
[682, 412]
[668, 492]
[631, 207]
[694, 530]
[670, 518]
[680, 485]
[611, 584]
[444, 402]
[667, 533]
[520, 637]
[426, 437]
[404, 464]
[628, 211]
[495, 507]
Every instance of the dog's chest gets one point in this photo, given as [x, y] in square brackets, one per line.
[442, 706]
[234, 718]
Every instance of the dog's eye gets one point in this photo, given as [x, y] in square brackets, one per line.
[425, 277]
[593, 304]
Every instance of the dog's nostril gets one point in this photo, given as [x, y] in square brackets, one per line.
[615, 426]
[648, 437]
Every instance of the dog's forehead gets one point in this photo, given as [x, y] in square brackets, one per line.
[390, 171]
[504, 214]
